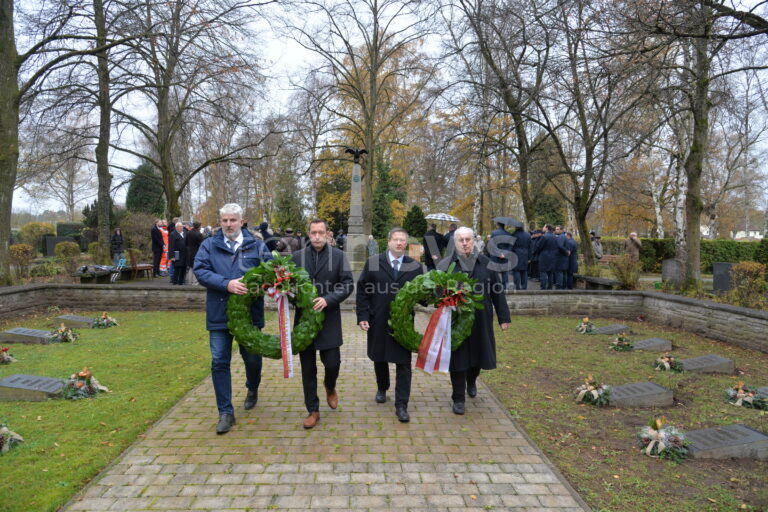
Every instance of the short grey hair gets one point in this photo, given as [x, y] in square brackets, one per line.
[463, 229]
[231, 208]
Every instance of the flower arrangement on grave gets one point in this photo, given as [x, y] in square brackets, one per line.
[585, 327]
[104, 321]
[743, 396]
[287, 283]
[664, 442]
[82, 385]
[452, 295]
[8, 438]
[592, 392]
[667, 363]
[63, 335]
[6, 357]
[622, 343]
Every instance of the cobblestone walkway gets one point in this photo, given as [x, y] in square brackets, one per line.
[359, 457]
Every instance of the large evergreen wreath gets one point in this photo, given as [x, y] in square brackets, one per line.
[282, 274]
[435, 288]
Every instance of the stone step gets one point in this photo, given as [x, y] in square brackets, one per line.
[730, 441]
[641, 394]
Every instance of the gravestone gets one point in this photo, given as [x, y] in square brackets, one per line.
[22, 335]
[710, 363]
[721, 276]
[671, 272]
[735, 440]
[657, 344]
[75, 321]
[762, 391]
[613, 329]
[30, 388]
[640, 394]
[50, 241]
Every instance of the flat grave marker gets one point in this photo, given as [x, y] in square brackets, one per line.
[735, 440]
[710, 363]
[31, 388]
[657, 344]
[762, 391]
[640, 394]
[22, 335]
[612, 329]
[75, 321]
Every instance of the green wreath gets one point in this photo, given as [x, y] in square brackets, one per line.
[435, 288]
[282, 274]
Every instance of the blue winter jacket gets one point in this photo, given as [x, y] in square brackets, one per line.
[522, 248]
[216, 264]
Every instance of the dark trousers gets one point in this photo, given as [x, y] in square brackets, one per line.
[569, 280]
[402, 381]
[156, 257]
[331, 359]
[429, 262]
[521, 279]
[221, 356]
[179, 273]
[547, 280]
[560, 279]
[533, 269]
[459, 381]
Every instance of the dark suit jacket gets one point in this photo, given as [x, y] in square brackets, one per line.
[573, 259]
[157, 240]
[522, 248]
[176, 242]
[376, 289]
[330, 272]
[548, 250]
[194, 239]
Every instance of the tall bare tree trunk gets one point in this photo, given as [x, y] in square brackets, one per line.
[9, 131]
[103, 212]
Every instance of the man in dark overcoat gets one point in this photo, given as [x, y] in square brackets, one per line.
[382, 277]
[194, 240]
[547, 251]
[479, 349]
[500, 249]
[563, 261]
[157, 247]
[522, 249]
[573, 260]
[177, 252]
[433, 246]
[330, 272]
[533, 268]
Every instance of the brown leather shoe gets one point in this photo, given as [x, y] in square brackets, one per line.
[311, 420]
[332, 397]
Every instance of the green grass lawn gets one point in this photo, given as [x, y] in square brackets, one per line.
[148, 363]
[542, 359]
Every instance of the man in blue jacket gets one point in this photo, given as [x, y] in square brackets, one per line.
[221, 262]
[563, 261]
[547, 250]
[521, 248]
[573, 260]
[500, 249]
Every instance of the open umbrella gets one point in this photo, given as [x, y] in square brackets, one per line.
[508, 221]
[442, 216]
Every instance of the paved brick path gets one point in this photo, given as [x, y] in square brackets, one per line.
[359, 457]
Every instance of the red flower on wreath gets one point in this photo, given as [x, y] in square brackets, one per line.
[4, 349]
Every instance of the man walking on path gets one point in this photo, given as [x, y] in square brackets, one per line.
[220, 264]
[379, 282]
[330, 272]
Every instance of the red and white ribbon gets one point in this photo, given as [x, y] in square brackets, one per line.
[435, 348]
[284, 321]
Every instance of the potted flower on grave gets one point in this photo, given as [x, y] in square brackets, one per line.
[6, 357]
[667, 363]
[664, 442]
[82, 385]
[104, 321]
[63, 335]
[585, 327]
[622, 343]
[8, 439]
[592, 392]
[743, 396]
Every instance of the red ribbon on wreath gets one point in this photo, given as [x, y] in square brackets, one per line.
[275, 291]
[435, 349]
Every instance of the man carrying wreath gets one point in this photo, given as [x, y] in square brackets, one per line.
[479, 348]
[220, 264]
[330, 272]
[381, 279]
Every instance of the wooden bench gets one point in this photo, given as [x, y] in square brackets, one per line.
[595, 283]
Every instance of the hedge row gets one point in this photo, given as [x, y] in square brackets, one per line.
[655, 250]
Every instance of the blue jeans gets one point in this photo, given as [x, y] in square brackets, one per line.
[116, 257]
[521, 279]
[221, 356]
[547, 280]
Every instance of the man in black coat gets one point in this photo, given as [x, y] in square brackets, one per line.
[479, 349]
[547, 251]
[157, 248]
[522, 249]
[177, 250]
[433, 246]
[533, 268]
[381, 279]
[330, 272]
[563, 261]
[500, 249]
[573, 260]
[194, 239]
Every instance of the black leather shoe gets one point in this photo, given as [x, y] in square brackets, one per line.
[381, 396]
[225, 423]
[402, 414]
[472, 390]
[250, 400]
[458, 407]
